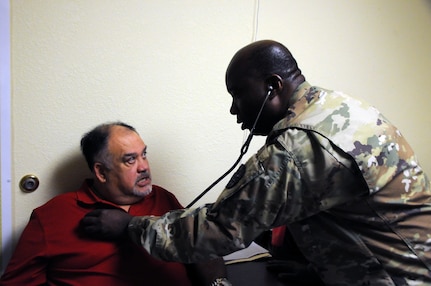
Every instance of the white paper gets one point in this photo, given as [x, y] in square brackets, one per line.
[252, 250]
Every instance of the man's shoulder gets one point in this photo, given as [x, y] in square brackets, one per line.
[59, 201]
[159, 188]
[162, 193]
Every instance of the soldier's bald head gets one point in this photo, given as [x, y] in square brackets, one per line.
[263, 58]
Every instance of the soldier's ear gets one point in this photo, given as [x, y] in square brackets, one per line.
[274, 83]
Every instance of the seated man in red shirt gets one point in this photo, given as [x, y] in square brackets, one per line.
[53, 250]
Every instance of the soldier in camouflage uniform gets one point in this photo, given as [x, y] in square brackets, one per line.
[334, 174]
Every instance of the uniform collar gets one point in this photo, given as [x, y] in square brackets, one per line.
[299, 92]
[303, 96]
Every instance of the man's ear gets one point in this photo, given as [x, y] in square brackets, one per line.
[274, 83]
[99, 172]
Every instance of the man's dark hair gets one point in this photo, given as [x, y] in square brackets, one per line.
[94, 144]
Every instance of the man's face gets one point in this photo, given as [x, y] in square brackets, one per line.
[248, 94]
[130, 172]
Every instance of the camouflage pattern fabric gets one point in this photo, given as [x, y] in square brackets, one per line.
[340, 177]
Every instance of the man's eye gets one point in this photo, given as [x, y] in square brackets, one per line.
[130, 160]
[237, 92]
[144, 155]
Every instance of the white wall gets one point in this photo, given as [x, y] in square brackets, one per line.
[159, 65]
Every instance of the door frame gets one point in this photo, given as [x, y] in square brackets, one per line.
[6, 135]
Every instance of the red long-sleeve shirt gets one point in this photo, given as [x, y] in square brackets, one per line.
[53, 251]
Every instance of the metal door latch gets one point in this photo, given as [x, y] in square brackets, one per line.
[29, 183]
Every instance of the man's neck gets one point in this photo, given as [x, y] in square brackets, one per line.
[124, 206]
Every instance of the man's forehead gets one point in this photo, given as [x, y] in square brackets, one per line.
[124, 141]
[238, 77]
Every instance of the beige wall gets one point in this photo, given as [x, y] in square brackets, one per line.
[159, 65]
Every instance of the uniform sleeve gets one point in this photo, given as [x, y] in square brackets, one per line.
[28, 264]
[276, 186]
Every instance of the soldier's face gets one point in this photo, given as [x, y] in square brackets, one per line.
[248, 94]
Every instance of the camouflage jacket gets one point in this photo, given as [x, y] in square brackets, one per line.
[339, 176]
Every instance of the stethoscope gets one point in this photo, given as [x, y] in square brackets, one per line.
[243, 150]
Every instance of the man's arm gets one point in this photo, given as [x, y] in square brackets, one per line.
[28, 264]
[251, 204]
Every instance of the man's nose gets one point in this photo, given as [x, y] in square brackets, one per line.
[142, 164]
[233, 109]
